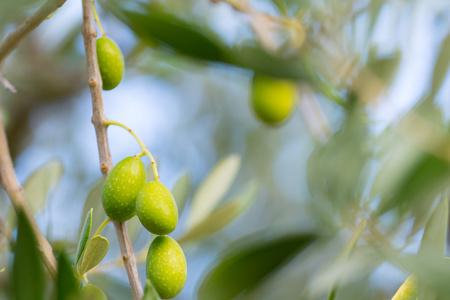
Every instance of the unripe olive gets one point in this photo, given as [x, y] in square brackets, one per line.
[110, 62]
[272, 99]
[408, 290]
[91, 292]
[121, 188]
[156, 208]
[166, 266]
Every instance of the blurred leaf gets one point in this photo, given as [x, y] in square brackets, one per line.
[84, 236]
[245, 268]
[290, 7]
[114, 288]
[386, 68]
[96, 249]
[94, 201]
[347, 251]
[40, 183]
[181, 191]
[441, 67]
[27, 273]
[213, 189]
[134, 228]
[150, 292]
[223, 215]
[66, 283]
[435, 234]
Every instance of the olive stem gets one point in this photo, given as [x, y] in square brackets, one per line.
[85, 279]
[140, 154]
[102, 225]
[143, 147]
[97, 19]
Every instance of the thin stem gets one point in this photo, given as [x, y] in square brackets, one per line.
[97, 19]
[100, 228]
[140, 154]
[99, 119]
[141, 144]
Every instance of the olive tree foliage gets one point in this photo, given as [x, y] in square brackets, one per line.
[356, 209]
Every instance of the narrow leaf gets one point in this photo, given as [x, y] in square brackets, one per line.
[441, 66]
[223, 215]
[213, 189]
[435, 234]
[246, 267]
[84, 236]
[94, 200]
[150, 292]
[27, 273]
[181, 191]
[96, 250]
[134, 228]
[66, 283]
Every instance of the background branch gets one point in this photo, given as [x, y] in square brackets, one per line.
[99, 121]
[17, 197]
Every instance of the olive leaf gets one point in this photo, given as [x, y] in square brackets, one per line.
[66, 283]
[247, 266]
[181, 191]
[150, 292]
[134, 228]
[435, 233]
[213, 189]
[347, 251]
[223, 215]
[94, 200]
[84, 236]
[95, 251]
[28, 277]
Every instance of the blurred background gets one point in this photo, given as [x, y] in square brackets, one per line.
[368, 140]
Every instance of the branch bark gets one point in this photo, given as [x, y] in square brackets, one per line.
[17, 197]
[99, 121]
[33, 21]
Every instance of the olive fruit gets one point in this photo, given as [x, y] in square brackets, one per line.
[91, 292]
[408, 290]
[166, 266]
[121, 188]
[110, 62]
[272, 99]
[156, 208]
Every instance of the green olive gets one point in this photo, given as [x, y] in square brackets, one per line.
[110, 62]
[408, 290]
[166, 266]
[91, 292]
[121, 187]
[272, 99]
[156, 208]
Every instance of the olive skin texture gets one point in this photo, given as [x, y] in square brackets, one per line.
[408, 290]
[272, 99]
[92, 292]
[166, 266]
[156, 208]
[121, 188]
[110, 62]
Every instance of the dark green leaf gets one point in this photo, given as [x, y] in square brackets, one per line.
[84, 236]
[246, 267]
[66, 283]
[27, 275]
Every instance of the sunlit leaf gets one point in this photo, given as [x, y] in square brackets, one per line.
[84, 236]
[246, 267]
[40, 183]
[66, 283]
[213, 189]
[95, 251]
[28, 278]
[181, 191]
[223, 215]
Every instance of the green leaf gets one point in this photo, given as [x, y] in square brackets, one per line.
[66, 283]
[435, 234]
[28, 278]
[223, 215]
[96, 249]
[94, 201]
[84, 236]
[347, 251]
[114, 288]
[441, 66]
[246, 267]
[134, 228]
[213, 189]
[40, 183]
[150, 292]
[386, 68]
[181, 191]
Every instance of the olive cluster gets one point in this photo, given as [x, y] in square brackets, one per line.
[126, 193]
